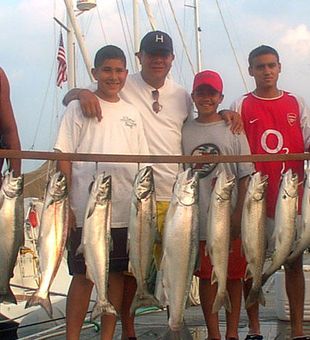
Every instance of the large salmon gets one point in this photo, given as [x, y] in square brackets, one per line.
[142, 233]
[303, 240]
[180, 248]
[52, 239]
[253, 235]
[11, 231]
[96, 242]
[285, 222]
[218, 237]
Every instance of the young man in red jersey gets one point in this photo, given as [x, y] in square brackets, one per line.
[275, 121]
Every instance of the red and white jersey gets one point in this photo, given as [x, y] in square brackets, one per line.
[275, 126]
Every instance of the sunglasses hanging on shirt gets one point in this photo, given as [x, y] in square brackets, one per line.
[156, 106]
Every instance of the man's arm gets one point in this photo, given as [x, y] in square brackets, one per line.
[8, 126]
[233, 119]
[88, 100]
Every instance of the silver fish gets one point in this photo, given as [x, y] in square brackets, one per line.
[303, 241]
[11, 231]
[285, 222]
[142, 233]
[96, 241]
[253, 234]
[180, 248]
[52, 239]
[218, 237]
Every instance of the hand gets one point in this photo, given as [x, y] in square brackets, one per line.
[233, 119]
[90, 104]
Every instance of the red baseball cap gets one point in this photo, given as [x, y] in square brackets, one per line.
[210, 78]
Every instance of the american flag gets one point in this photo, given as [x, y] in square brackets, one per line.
[62, 64]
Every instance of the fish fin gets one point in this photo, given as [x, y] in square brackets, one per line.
[255, 296]
[130, 268]
[80, 250]
[220, 301]
[159, 289]
[144, 300]
[8, 297]
[91, 210]
[1, 200]
[182, 334]
[248, 274]
[102, 308]
[44, 302]
[213, 277]
[50, 202]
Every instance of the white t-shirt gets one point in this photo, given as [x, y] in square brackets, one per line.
[162, 129]
[119, 132]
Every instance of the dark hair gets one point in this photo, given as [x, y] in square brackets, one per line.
[109, 52]
[261, 50]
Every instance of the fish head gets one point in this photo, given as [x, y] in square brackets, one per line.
[103, 188]
[186, 187]
[307, 176]
[12, 186]
[257, 186]
[57, 187]
[144, 183]
[224, 185]
[289, 184]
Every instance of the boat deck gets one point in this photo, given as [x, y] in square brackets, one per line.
[153, 324]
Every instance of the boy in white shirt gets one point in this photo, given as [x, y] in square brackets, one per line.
[119, 132]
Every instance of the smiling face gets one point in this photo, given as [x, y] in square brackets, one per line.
[155, 67]
[265, 69]
[207, 100]
[111, 76]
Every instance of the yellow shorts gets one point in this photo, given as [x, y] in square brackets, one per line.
[161, 211]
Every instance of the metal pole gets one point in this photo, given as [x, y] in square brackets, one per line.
[136, 30]
[197, 35]
[79, 37]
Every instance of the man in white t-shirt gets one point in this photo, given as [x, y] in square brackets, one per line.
[164, 106]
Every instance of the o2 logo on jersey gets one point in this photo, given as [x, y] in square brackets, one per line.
[277, 139]
[204, 169]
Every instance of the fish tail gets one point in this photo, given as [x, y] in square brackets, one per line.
[143, 300]
[43, 301]
[255, 295]
[8, 297]
[180, 333]
[102, 308]
[220, 301]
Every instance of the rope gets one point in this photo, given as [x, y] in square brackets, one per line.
[232, 46]
[182, 38]
[125, 37]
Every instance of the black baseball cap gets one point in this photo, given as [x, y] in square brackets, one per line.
[156, 41]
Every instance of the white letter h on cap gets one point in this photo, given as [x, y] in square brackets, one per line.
[159, 38]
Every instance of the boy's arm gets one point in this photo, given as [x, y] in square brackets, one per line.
[88, 100]
[8, 126]
[237, 214]
[66, 168]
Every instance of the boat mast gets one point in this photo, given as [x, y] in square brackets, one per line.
[197, 35]
[70, 55]
[79, 37]
[136, 30]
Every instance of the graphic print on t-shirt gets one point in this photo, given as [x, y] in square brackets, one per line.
[204, 169]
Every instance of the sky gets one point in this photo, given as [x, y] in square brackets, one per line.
[230, 29]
